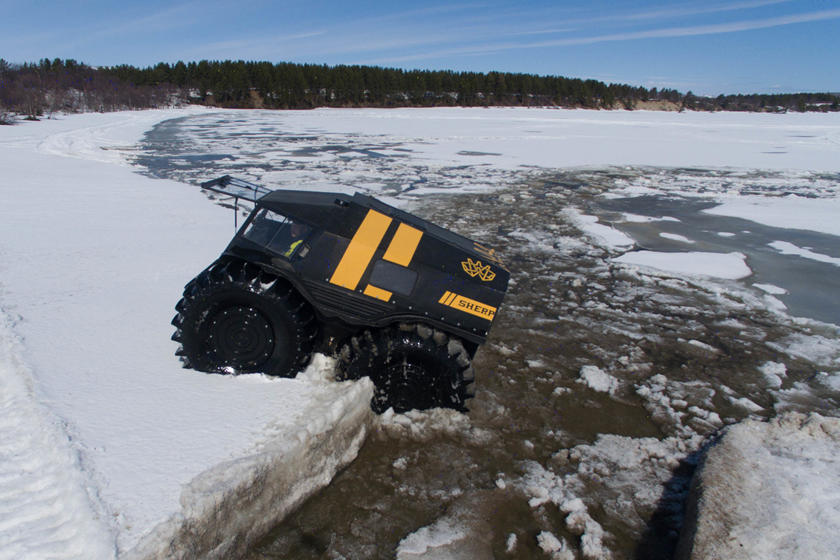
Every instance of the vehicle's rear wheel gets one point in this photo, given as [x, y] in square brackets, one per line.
[235, 318]
[411, 366]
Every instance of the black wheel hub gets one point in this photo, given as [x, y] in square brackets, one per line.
[241, 337]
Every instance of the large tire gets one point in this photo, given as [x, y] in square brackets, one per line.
[236, 318]
[411, 366]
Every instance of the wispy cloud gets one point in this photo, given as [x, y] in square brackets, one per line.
[669, 32]
[172, 17]
[125, 24]
[684, 11]
[418, 13]
[469, 29]
[395, 31]
[618, 17]
[712, 29]
[260, 44]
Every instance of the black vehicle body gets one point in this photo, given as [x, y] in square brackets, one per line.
[363, 264]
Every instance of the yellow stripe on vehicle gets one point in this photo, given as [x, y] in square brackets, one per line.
[359, 253]
[378, 293]
[403, 245]
[447, 295]
[468, 305]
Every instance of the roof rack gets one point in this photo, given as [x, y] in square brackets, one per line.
[237, 189]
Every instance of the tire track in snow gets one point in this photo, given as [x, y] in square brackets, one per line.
[45, 511]
[88, 143]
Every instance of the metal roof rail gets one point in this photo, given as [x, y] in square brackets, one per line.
[237, 189]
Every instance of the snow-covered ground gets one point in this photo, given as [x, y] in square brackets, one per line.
[108, 446]
[608, 368]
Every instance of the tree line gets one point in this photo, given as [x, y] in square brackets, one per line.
[36, 89]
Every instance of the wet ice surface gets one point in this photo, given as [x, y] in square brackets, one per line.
[261, 147]
[808, 283]
[600, 381]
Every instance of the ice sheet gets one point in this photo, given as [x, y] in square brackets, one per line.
[718, 265]
[794, 212]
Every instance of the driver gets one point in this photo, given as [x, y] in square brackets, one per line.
[296, 233]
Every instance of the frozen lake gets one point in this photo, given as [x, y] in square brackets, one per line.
[601, 379]
[259, 147]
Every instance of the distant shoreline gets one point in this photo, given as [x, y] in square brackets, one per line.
[51, 86]
[10, 118]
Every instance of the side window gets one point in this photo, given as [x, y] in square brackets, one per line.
[289, 238]
[277, 233]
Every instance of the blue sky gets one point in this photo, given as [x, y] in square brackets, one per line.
[708, 47]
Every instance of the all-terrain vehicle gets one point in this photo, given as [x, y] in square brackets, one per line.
[395, 297]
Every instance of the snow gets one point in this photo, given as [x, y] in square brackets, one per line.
[462, 533]
[771, 289]
[636, 218]
[718, 265]
[676, 237]
[771, 489]
[830, 381]
[44, 501]
[510, 138]
[773, 372]
[817, 349]
[629, 473]
[597, 379]
[144, 452]
[127, 453]
[510, 544]
[606, 236]
[557, 549]
[787, 248]
[791, 211]
[440, 534]
[423, 425]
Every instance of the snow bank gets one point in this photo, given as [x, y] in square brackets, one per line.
[172, 461]
[228, 508]
[768, 490]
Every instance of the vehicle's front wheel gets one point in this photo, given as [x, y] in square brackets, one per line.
[411, 366]
[235, 318]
